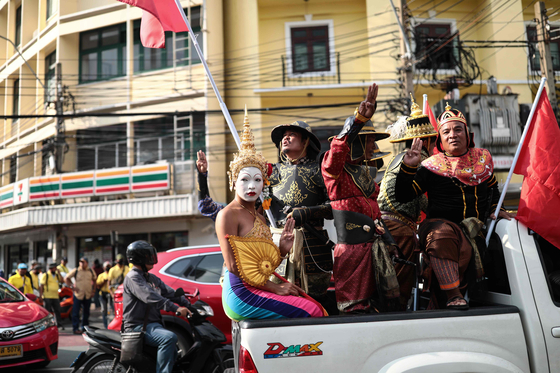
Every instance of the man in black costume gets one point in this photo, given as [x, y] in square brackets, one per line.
[299, 191]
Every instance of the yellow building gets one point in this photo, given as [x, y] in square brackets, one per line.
[292, 59]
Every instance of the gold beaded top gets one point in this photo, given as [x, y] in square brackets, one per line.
[247, 156]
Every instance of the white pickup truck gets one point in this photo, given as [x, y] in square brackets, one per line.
[512, 326]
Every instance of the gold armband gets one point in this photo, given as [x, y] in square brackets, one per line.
[361, 118]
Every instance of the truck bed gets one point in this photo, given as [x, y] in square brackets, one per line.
[481, 339]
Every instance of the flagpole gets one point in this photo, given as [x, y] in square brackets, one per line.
[515, 158]
[223, 106]
[425, 98]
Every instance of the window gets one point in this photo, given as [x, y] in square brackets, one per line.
[170, 240]
[15, 106]
[51, 8]
[534, 54]
[106, 147]
[209, 269]
[495, 269]
[15, 102]
[43, 254]
[310, 49]
[18, 26]
[432, 47]
[102, 53]
[13, 169]
[17, 254]
[149, 59]
[50, 77]
[205, 268]
[550, 260]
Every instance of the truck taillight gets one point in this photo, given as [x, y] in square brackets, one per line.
[246, 364]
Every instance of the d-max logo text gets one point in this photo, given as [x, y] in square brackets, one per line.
[276, 350]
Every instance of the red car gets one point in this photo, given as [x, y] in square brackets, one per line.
[191, 268]
[28, 332]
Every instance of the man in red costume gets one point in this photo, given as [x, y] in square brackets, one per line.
[361, 260]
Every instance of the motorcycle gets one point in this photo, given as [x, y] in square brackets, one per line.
[205, 350]
[65, 296]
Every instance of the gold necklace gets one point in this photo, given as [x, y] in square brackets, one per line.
[254, 215]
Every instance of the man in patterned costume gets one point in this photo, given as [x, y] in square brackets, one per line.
[297, 183]
[462, 190]
[361, 262]
[401, 218]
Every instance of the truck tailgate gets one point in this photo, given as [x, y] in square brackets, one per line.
[482, 339]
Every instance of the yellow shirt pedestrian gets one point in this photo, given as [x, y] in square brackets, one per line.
[50, 284]
[85, 280]
[102, 279]
[23, 283]
[35, 279]
[62, 268]
[116, 274]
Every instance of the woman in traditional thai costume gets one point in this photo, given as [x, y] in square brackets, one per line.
[239, 224]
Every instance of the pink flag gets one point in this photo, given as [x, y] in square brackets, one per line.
[158, 16]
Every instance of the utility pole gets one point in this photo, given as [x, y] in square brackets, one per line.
[543, 38]
[58, 141]
[406, 68]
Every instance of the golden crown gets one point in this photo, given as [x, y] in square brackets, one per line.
[450, 115]
[416, 126]
[247, 156]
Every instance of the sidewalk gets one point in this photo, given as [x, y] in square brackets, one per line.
[67, 338]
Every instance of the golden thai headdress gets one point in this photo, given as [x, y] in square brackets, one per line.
[449, 115]
[418, 125]
[247, 156]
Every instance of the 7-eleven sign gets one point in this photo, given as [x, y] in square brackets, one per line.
[21, 192]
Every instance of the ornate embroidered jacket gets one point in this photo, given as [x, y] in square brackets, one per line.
[449, 197]
[387, 200]
[300, 185]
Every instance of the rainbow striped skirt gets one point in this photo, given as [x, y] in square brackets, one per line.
[242, 301]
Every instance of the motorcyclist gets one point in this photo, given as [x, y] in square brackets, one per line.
[143, 290]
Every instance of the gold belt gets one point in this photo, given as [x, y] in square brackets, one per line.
[392, 216]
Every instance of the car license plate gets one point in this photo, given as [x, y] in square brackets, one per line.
[9, 352]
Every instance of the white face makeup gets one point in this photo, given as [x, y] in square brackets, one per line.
[249, 184]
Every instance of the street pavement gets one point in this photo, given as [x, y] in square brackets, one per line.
[69, 346]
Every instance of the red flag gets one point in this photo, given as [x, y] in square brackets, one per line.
[158, 16]
[428, 110]
[539, 162]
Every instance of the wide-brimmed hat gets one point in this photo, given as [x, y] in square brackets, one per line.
[378, 154]
[368, 129]
[417, 126]
[299, 125]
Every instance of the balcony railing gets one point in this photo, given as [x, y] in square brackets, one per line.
[294, 79]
